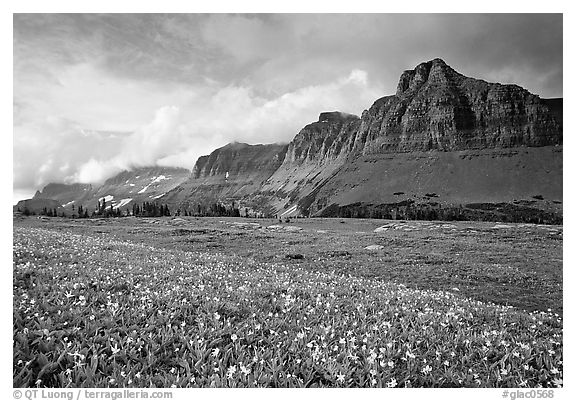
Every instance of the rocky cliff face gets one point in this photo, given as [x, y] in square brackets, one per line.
[436, 108]
[234, 172]
[322, 141]
[313, 156]
[240, 160]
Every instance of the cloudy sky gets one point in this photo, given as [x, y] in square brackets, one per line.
[95, 94]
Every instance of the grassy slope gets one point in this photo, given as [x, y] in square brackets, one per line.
[501, 175]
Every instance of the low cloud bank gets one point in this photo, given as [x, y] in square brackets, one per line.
[178, 134]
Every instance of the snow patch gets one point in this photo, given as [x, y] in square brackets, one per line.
[123, 202]
[154, 181]
[159, 178]
[68, 204]
[107, 198]
[159, 196]
[292, 209]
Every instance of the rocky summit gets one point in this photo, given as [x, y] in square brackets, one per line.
[442, 142]
[436, 108]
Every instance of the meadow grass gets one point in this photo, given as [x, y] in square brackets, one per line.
[94, 311]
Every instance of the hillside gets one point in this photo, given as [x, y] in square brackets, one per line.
[234, 172]
[146, 184]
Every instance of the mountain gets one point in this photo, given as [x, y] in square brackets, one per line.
[462, 139]
[236, 171]
[145, 184]
[442, 141]
[436, 108]
[64, 193]
[37, 205]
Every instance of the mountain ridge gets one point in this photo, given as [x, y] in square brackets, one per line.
[437, 115]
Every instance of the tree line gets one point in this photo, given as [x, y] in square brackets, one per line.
[144, 209]
[408, 210]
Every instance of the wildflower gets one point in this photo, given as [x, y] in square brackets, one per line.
[215, 352]
[557, 382]
[231, 371]
[340, 378]
[554, 371]
[244, 369]
[391, 364]
[503, 372]
[392, 383]
[410, 355]
[427, 369]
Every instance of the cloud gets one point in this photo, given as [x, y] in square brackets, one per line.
[177, 138]
[52, 150]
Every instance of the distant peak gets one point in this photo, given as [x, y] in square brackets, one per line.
[435, 69]
[438, 61]
[236, 144]
[330, 116]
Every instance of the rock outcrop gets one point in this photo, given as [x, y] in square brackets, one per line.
[234, 172]
[436, 108]
[240, 160]
[322, 141]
